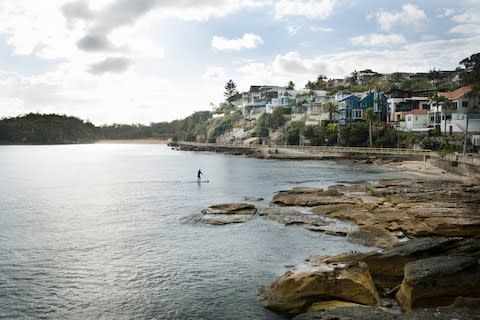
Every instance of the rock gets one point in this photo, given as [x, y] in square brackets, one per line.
[386, 267]
[372, 313]
[288, 216]
[294, 292]
[437, 281]
[330, 305]
[372, 236]
[309, 197]
[231, 208]
[225, 213]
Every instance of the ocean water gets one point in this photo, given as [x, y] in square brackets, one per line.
[99, 231]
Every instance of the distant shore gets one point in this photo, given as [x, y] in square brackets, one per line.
[133, 141]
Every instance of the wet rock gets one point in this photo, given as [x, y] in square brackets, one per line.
[372, 236]
[294, 292]
[437, 281]
[309, 197]
[226, 213]
[248, 198]
[231, 208]
[289, 216]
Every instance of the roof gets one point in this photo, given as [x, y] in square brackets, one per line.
[418, 111]
[454, 95]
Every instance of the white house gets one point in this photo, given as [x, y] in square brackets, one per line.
[416, 120]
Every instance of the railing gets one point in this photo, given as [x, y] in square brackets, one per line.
[315, 149]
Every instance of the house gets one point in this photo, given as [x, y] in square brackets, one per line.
[400, 102]
[375, 100]
[254, 102]
[451, 116]
[349, 109]
[416, 120]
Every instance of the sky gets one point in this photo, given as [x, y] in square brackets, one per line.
[144, 61]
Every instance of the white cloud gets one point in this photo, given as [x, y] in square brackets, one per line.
[248, 41]
[466, 29]
[320, 29]
[379, 40]
[468, 22]
[443, 54]
[410, 16]
[318, 9]
[293, 29]
[445, 12]
[214, 73]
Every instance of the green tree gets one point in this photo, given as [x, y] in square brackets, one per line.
[291, 85]
[230, 89]
[471, 73]
[370, 117]
[331, 108]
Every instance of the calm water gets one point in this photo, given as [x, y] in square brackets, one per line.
[97, 232]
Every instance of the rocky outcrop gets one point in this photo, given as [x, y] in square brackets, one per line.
[289, 216]
[296, 292]
[437, 281]
[371, 313]
[403, 207]
[372, 236]
[226, 213]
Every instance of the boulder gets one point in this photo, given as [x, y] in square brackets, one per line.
[386, 267]
[226, 213]
[438, 281]
[294, 292]
[372, 236]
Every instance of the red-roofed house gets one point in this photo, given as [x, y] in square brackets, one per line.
[452, 117]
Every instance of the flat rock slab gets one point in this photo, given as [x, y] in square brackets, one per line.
[289, 216]
[294, 292]
[437, 281]
[231, 208]
[372, 236]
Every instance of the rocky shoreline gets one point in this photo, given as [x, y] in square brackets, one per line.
[429, 229]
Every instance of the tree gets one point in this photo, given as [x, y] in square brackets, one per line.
[471, 73]
[331, 108]
[369, 116]
[230, 89]
[291, 85]
[441, 100]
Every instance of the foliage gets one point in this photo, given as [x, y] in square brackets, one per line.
[292, 133]
[471, 73]
[320, 135]
[35, 128]
[290, 85]
[354, 135]
[230, 89]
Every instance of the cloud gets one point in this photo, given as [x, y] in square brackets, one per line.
[248, 41]
[379, 40]
[95, 42]
[410, 16]
[318, 9]
[76, 10]
[468, 23]
[445, 12]
[293, 29]
[111, 65]
[320, 29]
[214, 73]
[443, 54]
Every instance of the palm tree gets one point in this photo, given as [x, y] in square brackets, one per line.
[438, 101]
[370, 116]
[331, 108]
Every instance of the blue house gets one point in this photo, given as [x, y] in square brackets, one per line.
[375, 100]
[348, 107]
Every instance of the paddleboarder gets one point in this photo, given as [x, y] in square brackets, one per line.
[199, 173]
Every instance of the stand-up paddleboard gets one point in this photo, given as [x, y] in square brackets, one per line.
[203, 181]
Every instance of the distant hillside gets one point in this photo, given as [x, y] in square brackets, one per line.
[45, 129]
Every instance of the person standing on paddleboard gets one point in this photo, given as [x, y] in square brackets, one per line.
[199, 173]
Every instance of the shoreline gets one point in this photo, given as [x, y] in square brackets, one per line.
[132, 141]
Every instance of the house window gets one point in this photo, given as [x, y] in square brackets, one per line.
[357, 114]
[465, 104]
[409, 118]
[454, 105]
[416, 118]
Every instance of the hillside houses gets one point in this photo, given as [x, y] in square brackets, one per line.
[411, 111]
